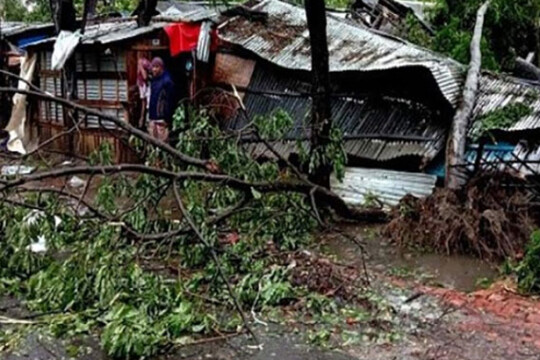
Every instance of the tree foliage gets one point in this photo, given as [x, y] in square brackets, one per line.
[96, 277]
[39, 10]
[528, 270]
[511, 29]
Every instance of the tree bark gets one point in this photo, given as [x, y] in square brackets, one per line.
[320, 112]
[457, 139]
[4, 81]
[65, 19]
[64, 16]
[89, 12]
[144, 12]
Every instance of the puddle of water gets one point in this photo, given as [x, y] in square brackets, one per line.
[457, 272]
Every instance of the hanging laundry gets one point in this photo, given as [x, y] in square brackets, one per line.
[183, 37]
[64, 46]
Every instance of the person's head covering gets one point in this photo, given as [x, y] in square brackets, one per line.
[157, 61]
[142, 71]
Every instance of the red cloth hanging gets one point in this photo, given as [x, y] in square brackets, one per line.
[184, 37]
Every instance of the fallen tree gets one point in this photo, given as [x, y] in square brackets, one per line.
[457, 138]
[488, 219]
[206, 223]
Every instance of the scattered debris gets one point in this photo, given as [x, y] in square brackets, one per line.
[32, 217]
[76, 182]
[11, 170]
[38, 247]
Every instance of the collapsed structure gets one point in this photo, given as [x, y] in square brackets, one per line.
[392, 100]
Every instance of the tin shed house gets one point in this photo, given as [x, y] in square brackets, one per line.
[106, 79]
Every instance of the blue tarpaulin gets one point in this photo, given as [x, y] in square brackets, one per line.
[22, 43]
[491, 152]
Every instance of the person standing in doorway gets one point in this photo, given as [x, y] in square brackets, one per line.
[162, 101]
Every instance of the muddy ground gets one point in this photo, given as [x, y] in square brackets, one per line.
[437, 312]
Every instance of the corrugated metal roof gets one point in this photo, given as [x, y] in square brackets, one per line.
[107, 33]
[190, 11]
[387, 186]
[12, 28]
[373, 128]
[284, 40]
[499, 91]
[420, 8]
[111, 32]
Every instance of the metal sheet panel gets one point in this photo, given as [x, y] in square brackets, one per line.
[12, 28]
[496, 92]
[388, 186]
[93, 122]
[387, 124]
[190, 11]
[93, 89]
[114, 31]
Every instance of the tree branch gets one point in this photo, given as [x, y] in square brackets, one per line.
[216, 260]
[121, 124]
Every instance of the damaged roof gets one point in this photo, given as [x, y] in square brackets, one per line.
[113, 31]
[190, 11]
[284, 40]
[13, 28]
[498, 91]
[117, 30]
[379, 129]
[107, 33]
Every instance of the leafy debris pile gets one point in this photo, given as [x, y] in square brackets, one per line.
[490, 218]
[324, 277]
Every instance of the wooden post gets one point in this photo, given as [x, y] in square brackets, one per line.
[4, 81]
[320, 74]
[455, 148]
[64, 18]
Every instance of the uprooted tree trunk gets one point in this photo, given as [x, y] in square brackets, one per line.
[320, 74]
[457, 139]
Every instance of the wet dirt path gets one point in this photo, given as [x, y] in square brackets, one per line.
[437, 299]
[456, 272]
